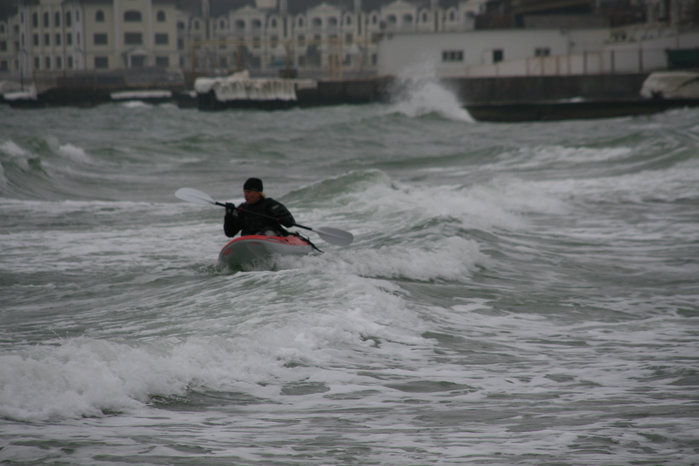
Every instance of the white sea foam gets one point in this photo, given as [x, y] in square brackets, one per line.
[17, 154]
[73, 153]
[11, 148]
[450, 258]
[136, 104]
[268, 343]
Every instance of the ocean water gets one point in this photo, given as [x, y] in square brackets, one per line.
[516, 294]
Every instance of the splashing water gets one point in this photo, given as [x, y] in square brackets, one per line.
[419, 92]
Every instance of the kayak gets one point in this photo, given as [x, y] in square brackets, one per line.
[252, 248]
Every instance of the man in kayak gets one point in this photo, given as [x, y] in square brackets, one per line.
[258, 215]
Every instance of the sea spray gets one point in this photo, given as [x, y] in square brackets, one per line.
[417, 91]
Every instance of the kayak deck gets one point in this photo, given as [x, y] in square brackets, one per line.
[251, 248]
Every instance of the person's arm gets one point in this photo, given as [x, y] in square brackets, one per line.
[231, 222]
[281, 213]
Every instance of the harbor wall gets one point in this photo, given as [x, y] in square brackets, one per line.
[546, 88]
[468, 90]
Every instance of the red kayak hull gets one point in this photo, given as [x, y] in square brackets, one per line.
[248, 249]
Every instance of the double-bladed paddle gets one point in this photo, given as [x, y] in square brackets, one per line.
[328, 234]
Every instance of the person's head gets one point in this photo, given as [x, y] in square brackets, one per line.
[252, 189]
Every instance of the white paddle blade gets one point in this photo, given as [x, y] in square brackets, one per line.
[194, 195]
[335, 236]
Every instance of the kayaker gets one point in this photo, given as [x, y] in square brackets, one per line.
[258, 215]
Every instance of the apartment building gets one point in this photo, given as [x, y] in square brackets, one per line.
[334, 37]
[96, 34]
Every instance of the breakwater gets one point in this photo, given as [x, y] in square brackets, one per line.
[520, 98]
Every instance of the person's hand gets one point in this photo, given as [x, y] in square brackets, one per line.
[231, 210]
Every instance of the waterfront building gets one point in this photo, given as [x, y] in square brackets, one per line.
[305, 38]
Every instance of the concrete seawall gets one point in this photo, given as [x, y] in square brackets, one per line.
[518, 98]
[546, 88]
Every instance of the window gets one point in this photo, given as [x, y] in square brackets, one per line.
[162, 62]
[180, 44]
[138, 61]
[348, 20]
[240, 24]
[100, 39]
[301, 40]
[391, 19]
[317, 22]
[36, 40]
[161, 39]
[57, 19]
[47, 39]
[132, 16]
[452, 16]
[2, 29]
[133, 38]
[69, 39]
[180, 26]
[160, 16]
[3, 46]
[59, 62]
[101, 62]
[498, 55]
[77, 38]
[222, 24]
[542, 52]
[300, 22]
[332, 21]
[58, 39]
[374, 19]
[256, 24]
[196, 25]
[452, 56]
[48, 63]
[273, 23]
[35, 20]
[99, 16]
[69, 21]
[47, 20]
[3, 66]
[70, 62]
[37, 62]
[424, 17]
[408, 19]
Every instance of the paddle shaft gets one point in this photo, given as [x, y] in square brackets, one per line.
[267, 216]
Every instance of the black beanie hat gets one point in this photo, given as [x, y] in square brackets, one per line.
[253, 184]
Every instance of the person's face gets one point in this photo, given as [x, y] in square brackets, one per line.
[251, 197]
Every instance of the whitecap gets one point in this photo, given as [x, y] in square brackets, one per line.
[73, 153]
[136, 104]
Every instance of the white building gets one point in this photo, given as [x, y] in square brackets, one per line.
[96, 34]
[527, 52]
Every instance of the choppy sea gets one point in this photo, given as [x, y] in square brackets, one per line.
[516, 294]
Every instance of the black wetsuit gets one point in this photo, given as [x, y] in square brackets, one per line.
[243, 219]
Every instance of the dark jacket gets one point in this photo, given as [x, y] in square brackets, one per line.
[243, 219]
